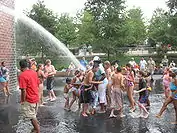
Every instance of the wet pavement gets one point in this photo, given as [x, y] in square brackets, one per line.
[53, 119]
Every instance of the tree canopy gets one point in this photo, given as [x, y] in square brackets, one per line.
[65, 30]
[172, 4]
[135, 27]
[105, 24]
[159, 26]
[44, 16]
[86, 28]
[108, 20]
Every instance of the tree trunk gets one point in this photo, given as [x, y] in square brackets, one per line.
[42, 54]
[108, 53]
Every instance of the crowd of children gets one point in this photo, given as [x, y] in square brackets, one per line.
[101, 87]
[98, 88]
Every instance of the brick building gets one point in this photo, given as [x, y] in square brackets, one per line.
[7, 41]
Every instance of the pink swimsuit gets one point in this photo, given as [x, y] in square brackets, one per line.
[166, 81]
[129, 83]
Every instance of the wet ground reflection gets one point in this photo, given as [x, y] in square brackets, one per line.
[53, 119]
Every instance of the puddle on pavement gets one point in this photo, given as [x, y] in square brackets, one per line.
[53, 119]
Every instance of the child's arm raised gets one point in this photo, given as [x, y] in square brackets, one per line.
[140, 90]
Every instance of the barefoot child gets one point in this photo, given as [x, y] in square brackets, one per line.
[143, 95]
[76, 82]
[116, 94]
[107, 67]
[166, 83]
[130, 79]
[67, 87]
[42, 76]
[149, 88]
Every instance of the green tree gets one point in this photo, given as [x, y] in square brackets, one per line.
[159, 27]
[29, 39]
[135, 27]
[86, 28]
[108, 20]
[66, 30]
[172, 4]
[44, 16]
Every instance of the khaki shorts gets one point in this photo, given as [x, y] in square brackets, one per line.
[29, 110]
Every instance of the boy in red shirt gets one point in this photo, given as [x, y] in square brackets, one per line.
[29, 83]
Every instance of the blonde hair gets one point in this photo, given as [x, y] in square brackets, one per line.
[47, 61]
[107, 63]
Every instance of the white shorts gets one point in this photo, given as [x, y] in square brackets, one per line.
[66, 95]
[102, 92]
[73, 89]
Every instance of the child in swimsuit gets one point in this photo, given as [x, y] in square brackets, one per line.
[130, 86]
[67, 87]
[166, 83]
[76, 82]
[107, 67]
[148, 84]
[42, 76]
[143, 96]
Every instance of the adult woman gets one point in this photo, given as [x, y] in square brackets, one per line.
[172, 98]
[41, 77]
[130, 86]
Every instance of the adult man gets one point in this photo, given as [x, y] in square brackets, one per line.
[85, 49]
[100, 75]
[84, 63]
[151, 66]
[143, 64]
[90, 49]
[172, 64]
[165, 61]
[85, 97]
[50, 70]
[28, 84]
[132, 62]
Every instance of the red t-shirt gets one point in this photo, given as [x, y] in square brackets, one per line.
[29, 80]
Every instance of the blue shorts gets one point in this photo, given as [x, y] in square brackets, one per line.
[143, 99]
[2, 80]
[6, 79]
[174, 95]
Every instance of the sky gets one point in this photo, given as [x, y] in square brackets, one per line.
[72, 6]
